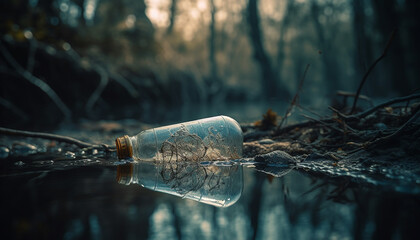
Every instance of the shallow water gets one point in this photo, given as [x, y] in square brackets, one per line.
[51, 190]
[65, 193]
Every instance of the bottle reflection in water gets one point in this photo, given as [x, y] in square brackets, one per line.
[215, 138]
[219, 186]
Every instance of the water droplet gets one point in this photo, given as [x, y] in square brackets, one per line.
[19, 163]
[70, 154]
[23, 149]
[4, 152]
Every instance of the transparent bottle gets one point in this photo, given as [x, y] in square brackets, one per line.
[208, 139]
[219, 186]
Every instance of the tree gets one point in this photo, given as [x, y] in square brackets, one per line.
[270, 85]
[328, 59]
[214, 84]
[363, 51]
[387, 20]
[172, 17]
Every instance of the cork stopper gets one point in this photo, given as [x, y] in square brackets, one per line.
[124, 173]
[124, 148]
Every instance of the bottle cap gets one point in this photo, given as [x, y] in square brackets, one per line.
[124, 148]
[125, 173]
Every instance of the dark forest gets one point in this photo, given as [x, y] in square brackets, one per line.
[326, 95]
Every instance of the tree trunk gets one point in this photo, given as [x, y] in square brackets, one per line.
[412, 9]
[387, 19]
[284, 25]
[363, 48]
[172, 17]
[330, 65]
[214, 84]
[269, 83]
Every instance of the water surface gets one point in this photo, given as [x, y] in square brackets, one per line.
[66, 196]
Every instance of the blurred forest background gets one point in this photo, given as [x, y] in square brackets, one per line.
[104, 59]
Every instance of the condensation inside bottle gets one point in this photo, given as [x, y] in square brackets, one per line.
[209, 139]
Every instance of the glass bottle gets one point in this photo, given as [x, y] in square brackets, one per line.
[219, 186]
[208, 139]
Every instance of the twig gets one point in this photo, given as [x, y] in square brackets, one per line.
[295, 98]
[351, 94]
[373, 109]
[384, 53]
[310, 111]
[294, 126]
[390, 102]
[346, 126]
[37, 82]
[49, 136]
[408, 102]
[396, 133]
[323, 123]
[338, 112]
[329, 119]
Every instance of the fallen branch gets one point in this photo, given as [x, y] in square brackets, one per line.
[384, 53]
[397, 133]
[374, 109]
[351, 94]
[326, 124]
[54, 137]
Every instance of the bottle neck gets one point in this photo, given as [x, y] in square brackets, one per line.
[124, 147]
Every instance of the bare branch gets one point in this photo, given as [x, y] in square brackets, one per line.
[397, 133]
[326, 124]
[373, 109]
[370, 70]
[295, 98]
[351, 94]
[36, 81]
